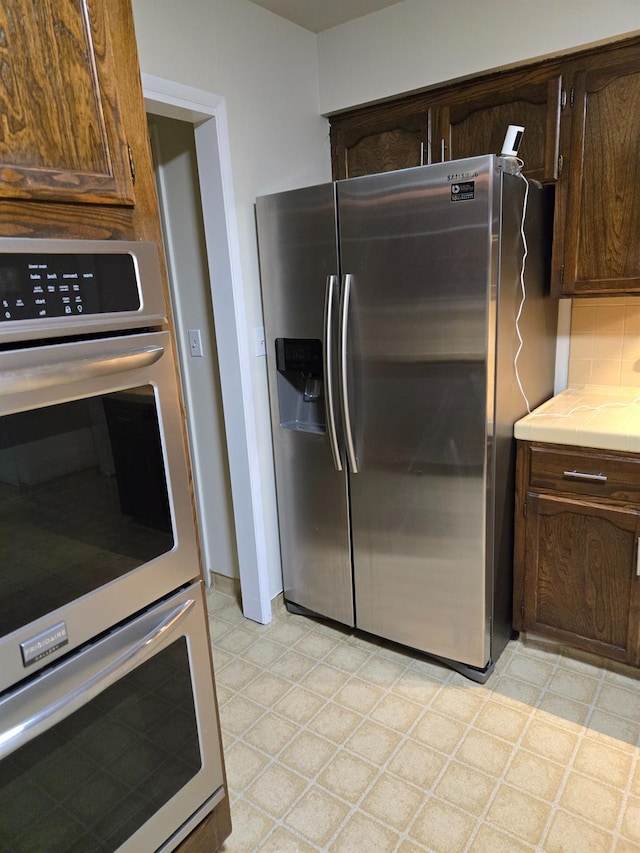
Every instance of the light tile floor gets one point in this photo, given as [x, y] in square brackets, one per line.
[335, 742]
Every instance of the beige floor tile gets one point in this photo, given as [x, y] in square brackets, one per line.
[378, 670]
[518, 813]
[574, 685]
[373, 742]
[223, 693]
[551, 741]
[243, 764]
[396, 712]
[307, 754]
[484, 752]
[592, 799]
[491, 840]
[271, 733]
[237, 674]
[416, 686]
[613, 726]
[620, 701]
[236, 641]
[249, 828]
[535, 775]
[465, 787]
[276, 790]
[299, 705]
[417, 763]
[347, 776]
[347, 657]
[283, 841]
[431, 669]
[635, 780]
[361, 833]
[631, 820]
[359, 695]
[289, 630]
[221, 658]
[326, 680]
[441, 827]
[530, 669]
[501, 720]
[459, 703]
[238, 714]
[218, 628]
[599, 760]
[335, 723]
[317, 816]
[410, 847]
[292, 666]
[316, 644]
[267, 689]
[263, 652]
[393, 802]
[564, 710]
[439, 732]
[569, 834]
[515, 692]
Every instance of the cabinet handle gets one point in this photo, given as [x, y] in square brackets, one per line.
[587, 478]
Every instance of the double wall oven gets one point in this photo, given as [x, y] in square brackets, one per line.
[108, 725]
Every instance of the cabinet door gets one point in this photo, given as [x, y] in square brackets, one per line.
[60, 135]
[597, 206]
[476, 120]
[370, 145]
[580, 582]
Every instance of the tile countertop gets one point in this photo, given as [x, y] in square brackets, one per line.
[601, 416]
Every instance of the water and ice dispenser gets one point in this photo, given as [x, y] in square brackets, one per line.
[300, 384]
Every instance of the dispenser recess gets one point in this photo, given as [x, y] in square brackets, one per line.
[300, 384]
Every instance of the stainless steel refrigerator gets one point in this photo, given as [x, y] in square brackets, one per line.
[390, 306]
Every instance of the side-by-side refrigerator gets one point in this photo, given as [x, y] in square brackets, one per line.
[394, 366]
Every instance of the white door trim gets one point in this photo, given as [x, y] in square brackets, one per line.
[207, 112]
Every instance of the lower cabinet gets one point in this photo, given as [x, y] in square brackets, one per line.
[576, 563]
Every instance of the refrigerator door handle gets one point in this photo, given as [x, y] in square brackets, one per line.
[332, 282]
[344, 383]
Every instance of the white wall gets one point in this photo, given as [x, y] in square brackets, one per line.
[266, 69]
[417, 43]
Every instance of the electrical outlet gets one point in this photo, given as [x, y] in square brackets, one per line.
[195, 343]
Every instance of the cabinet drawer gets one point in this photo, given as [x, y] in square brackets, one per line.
[580, 471]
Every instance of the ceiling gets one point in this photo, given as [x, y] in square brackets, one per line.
[317, 15]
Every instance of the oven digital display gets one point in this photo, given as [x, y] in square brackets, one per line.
[35, 285]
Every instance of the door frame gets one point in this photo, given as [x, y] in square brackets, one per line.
[208, 114]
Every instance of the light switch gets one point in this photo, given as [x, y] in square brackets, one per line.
[195, 343]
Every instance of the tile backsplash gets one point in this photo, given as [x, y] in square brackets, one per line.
[604, 347]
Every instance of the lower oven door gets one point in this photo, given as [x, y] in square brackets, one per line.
[117, 746]
[96, 518]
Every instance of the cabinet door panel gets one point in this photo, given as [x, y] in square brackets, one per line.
[602, 251]
[477, 125]
[580, 580]
[60, 136]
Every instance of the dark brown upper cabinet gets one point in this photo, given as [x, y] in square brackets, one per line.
[374, 141]
[476, 117]
[61, 135]
[596, 245]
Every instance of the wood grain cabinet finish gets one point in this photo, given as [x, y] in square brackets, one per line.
[61, 137]
[596, 246]
[576, 553]
[476, 119]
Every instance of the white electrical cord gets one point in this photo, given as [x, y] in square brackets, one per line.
[525, 252]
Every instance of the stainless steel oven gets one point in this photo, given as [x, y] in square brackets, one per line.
[98, 557]
[110, 749]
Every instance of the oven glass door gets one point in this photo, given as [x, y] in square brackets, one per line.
[117, 746]
[93, 490]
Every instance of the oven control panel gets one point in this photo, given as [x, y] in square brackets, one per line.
[36, 285]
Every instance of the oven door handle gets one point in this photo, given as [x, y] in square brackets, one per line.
[75, 370]
[38, 723]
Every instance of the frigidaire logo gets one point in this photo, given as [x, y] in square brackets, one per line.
[44, 644]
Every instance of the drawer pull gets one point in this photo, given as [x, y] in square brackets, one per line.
[586, 478]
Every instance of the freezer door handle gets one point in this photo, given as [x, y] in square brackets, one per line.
[344, 381]
[332, 283]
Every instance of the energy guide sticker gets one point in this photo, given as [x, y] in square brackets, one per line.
[463, 191]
